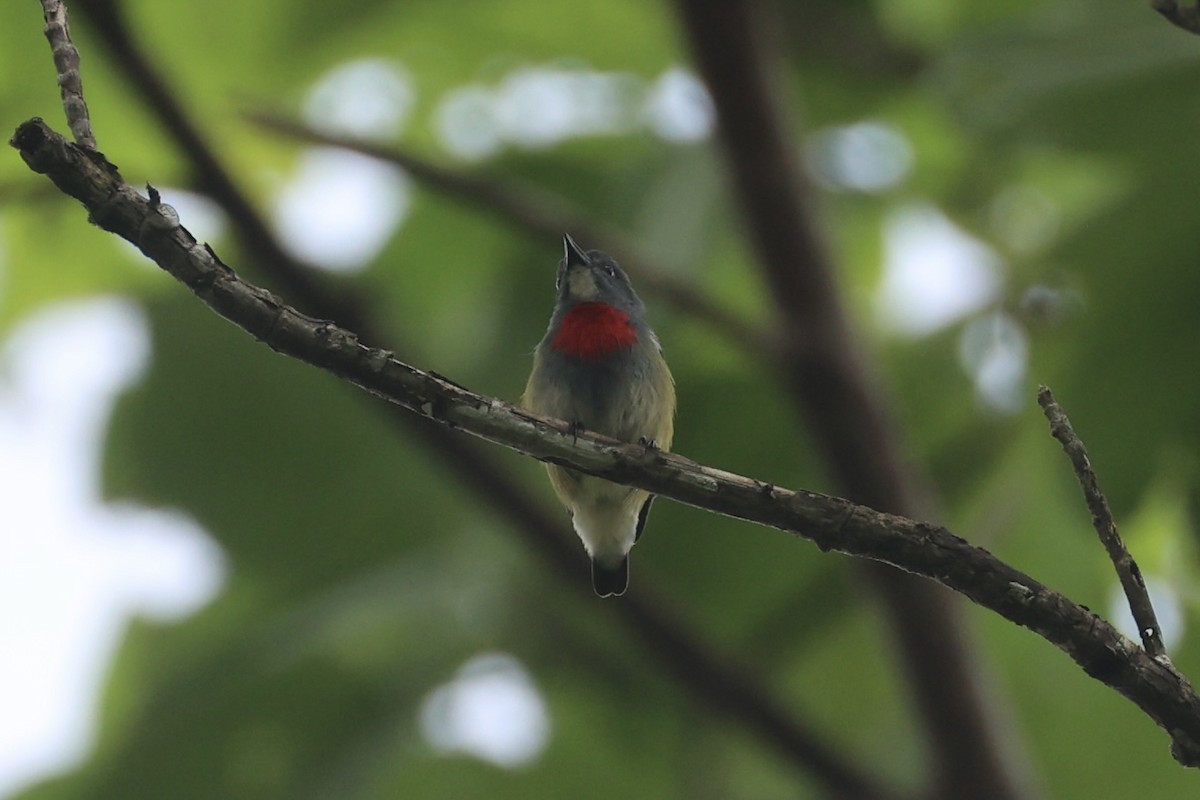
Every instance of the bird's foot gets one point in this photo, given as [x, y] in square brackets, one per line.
[649, 444]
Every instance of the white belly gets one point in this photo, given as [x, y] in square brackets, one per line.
[605, 517]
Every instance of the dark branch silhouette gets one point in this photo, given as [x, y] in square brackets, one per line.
[836, 390]
[1179, 14]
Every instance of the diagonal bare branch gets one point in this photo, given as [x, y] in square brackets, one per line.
[829, 522]
[1106, 527]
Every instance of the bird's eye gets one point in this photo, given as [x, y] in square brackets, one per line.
[609, 270]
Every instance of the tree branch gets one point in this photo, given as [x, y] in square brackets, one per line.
[1178, 14]
[66, 63]
[1106, 527]
[210, 177]
[834, 387]
[829, 522]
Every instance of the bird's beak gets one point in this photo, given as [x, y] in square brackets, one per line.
[572, 253]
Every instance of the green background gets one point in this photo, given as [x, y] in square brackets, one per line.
[362, 574]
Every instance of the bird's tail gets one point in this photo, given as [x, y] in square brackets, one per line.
[610, 581]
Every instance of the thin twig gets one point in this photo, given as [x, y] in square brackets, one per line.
[1106, 527]
[544, 215]
[66, 62]
[831, 523]
[1180, 15]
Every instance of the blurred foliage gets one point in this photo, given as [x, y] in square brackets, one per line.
[361, 577]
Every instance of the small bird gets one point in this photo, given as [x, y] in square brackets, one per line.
[601, 368]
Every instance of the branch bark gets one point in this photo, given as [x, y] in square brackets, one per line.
[829, 522]
[66, 62]
[1106, 527]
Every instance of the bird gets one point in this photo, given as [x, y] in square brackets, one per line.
[601, 368]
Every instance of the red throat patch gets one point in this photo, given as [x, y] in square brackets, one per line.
[594, 330]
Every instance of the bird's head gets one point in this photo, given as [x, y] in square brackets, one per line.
[593, 277]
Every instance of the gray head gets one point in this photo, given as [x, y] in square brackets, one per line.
[593, 277]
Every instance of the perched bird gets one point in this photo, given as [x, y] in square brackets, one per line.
[601, 368]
